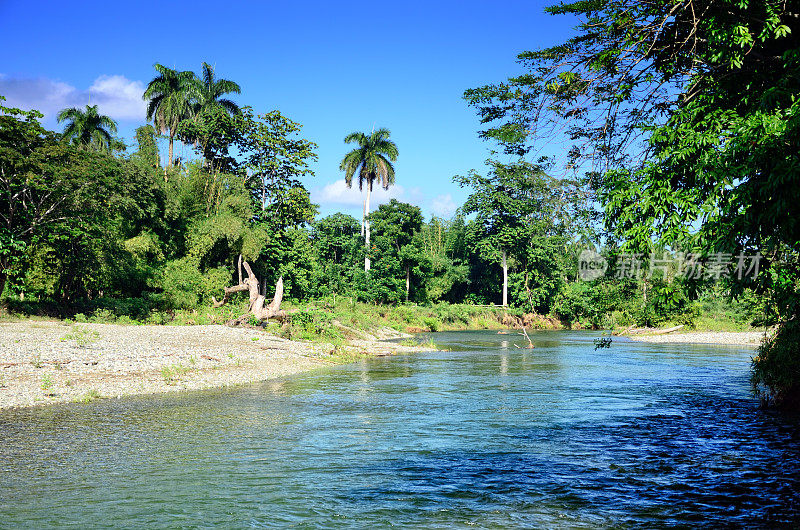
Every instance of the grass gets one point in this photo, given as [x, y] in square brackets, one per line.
[318, 316]
[81, 336]
[47, 384]
[429, 345]
[347, 356]
[721, 323]
[326, 320]
[172, 373]
[89, 396]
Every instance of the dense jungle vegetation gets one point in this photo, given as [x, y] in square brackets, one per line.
[680, 180]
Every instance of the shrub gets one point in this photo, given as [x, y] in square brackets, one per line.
[776, 368]
[103, 316]
[431, 323]
[81, 335]
[183, 283]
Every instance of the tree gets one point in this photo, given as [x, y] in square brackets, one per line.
[441, 263]
[169, 99]
[688, 112]
[275, 156]
[396, 224]
[147, 152]
[500, 204]
[338, 248]
[48, 187]
[210, 92]
[372, 160]
[212, 127]
[88, 128]
[522, 213]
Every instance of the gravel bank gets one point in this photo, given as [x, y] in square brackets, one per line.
[741, 338]
[51, 362]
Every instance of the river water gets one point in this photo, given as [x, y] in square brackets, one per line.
[486, 434]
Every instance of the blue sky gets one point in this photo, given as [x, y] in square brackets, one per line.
[335, 67]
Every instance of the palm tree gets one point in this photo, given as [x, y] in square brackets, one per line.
[372, 160]
[169, 99]
[89, 128]
[210, 91]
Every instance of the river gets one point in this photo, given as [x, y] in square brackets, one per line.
[487, 434]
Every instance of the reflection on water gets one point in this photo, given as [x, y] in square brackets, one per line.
[490, 433]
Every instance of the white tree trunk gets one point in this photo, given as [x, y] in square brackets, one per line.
[505, 279]
[363, 216]
[408, 280]
[257, 299]
[169, 162]
[366, 227]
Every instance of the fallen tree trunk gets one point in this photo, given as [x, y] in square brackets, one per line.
[257, 298]
[668, 330]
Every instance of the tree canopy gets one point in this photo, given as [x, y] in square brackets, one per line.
[88, 128]
[685, 115]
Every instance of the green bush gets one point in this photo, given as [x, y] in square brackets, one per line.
[431, 323]
[103, 316]
[182, 283]
[776, 368]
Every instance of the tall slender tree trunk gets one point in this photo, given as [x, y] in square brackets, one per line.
[169, 162]
[366, 226]
[3, 277]
[408, 280]
[505, 278]
[363, 216]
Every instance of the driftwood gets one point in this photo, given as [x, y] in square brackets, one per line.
[624, 331]
[257, 297]
[668, 330]
[530, 342]
[652, 331]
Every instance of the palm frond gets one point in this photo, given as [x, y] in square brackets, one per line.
[229, 106]
[225, 86]
[357, 137]
[108, 123]
[68, 114]
[208, 74]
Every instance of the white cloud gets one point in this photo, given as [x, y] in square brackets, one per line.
[443, 206]
[118, 97]
[338, 194]
[115, 96]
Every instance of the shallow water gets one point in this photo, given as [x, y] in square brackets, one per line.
[488, 434]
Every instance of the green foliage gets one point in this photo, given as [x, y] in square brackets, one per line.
[186, 287]
[312, 324]
[338, 251]
[169, 101]
[89, 396]
[529, 217]
[690, 123]
[431, 323]
[82, 336]
[88, 129]
[172, 373]
[776, 368]
[394, 226]
[147, 153]
[372, 159]
[275, 159]
[47, 383]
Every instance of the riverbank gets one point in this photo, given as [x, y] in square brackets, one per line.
[739, 338]
[44, 362]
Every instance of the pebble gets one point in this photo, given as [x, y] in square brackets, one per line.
[40, 364]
